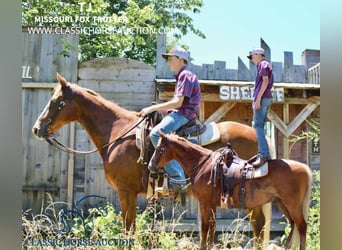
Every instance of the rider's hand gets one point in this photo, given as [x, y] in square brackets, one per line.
[144, 112]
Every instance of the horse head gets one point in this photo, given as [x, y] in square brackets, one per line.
[157, 161]
[55, 114]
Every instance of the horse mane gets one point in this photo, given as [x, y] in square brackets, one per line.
[92, 92]
[98, 97]
[176, 137]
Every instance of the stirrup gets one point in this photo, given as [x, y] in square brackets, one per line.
[163, 189]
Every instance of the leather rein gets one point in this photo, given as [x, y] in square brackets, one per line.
[57, 144]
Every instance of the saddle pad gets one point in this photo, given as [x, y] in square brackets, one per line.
[259, 172]
[210, 135]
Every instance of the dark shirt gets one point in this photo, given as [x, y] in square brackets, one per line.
[264, 68]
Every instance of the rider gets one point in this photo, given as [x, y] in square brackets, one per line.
[262, 100]
[183, 107]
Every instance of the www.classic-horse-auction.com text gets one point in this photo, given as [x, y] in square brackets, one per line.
[90, 25]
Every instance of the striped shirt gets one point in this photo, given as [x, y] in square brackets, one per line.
[187, 85]
[264, 68]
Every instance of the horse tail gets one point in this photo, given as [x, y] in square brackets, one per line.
[305, 205]
[307, 196]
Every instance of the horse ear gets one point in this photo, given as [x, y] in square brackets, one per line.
[61, 80]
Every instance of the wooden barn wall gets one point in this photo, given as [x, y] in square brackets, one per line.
[44, 167]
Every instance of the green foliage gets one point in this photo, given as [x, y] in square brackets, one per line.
[130, 29]
[313, 234]
[312, 134]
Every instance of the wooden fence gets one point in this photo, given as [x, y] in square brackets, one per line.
[45, 169]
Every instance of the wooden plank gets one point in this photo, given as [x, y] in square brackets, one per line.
[285, 129]
[232, 74]
[300, 118]
[119, 86]
[273, 117]
[299, 73]
[46, 59]
[162, 69]
[206, 97]
[300, 100]
[42, 187]
[116, 74]
[130, 99]
[267, 49]
[207, 72]
[70, 182]
[202, 111]
[220, 112]
[286, 118]
[68, 65]
[288, 70]
[31, 56]
[219, 70]
[214, 97]
[243, 72]
[38, 85]
[286, 85]
[277, 68]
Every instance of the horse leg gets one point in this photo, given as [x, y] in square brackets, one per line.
[128, 200]
[206, 224]
[212, 227]
[257, 220]
[284, 210]
[301, 225]
[296, 218]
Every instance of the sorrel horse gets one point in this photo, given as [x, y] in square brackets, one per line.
[106, 122]
[288, 183]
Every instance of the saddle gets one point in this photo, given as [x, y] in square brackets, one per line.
[229, 170]
[192, 129]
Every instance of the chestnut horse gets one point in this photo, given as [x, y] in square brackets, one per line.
[288, 183]
[107, 125]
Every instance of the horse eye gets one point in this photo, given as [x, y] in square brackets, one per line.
[62, 103]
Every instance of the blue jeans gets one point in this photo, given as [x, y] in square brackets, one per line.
[170, 123]
[259, 119]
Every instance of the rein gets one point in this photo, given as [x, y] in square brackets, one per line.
[57, 144]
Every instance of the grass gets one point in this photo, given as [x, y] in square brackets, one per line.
[101, 228]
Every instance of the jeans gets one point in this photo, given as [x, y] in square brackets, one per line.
[170, 123]
[259, 119]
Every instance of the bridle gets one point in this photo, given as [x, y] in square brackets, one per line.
[61, 104]
[159, 151]
[57, 144]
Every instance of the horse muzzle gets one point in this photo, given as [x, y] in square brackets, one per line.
[153, 168]
[40, 131]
